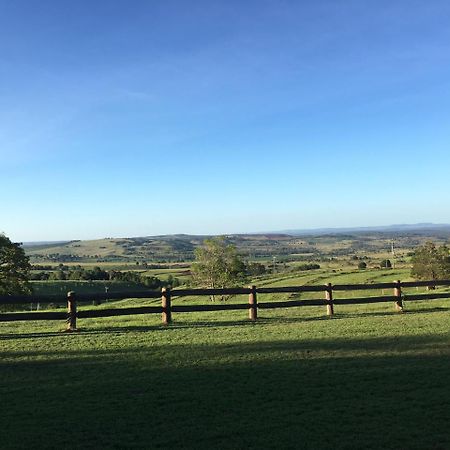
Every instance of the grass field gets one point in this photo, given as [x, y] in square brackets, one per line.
[366, 378]
[55, 287]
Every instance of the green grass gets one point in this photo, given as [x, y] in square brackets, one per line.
[56, 287]
[346, 276]
[366, 378]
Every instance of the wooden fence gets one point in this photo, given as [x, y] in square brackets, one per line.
[253, 306]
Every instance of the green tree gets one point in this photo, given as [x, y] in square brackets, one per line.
[362, 265]
[386, 264]
[218, 265]
[58, 275]
[14, 268]
[430, 262]
[255, 269]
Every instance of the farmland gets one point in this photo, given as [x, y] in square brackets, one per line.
[262, 247]
[366, 377]
[282, 256]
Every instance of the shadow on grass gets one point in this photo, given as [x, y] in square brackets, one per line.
[177, 324]
[80, 331]
[425, 311]
[175, 354]
[321, 393]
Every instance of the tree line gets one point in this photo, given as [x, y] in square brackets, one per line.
[79, 273]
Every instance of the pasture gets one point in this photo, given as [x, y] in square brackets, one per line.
[364, 378]
[56, 287]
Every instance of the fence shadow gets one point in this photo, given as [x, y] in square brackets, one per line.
[180, 323]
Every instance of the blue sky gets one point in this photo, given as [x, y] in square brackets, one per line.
[206, 117]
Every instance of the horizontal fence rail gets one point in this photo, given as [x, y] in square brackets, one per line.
[166, 295]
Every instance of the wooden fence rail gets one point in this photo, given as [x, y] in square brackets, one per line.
[166, 309]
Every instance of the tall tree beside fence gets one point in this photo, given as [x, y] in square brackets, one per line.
[14, 268]
[218, 265]
[431, 262]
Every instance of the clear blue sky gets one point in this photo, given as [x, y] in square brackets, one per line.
[122, 118]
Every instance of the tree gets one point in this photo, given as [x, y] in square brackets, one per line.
[386, 264]
[430, 262]
[58, 275]
[307, 266]
[255, 269]
[14, 268]
[218, 265]
[362, 265]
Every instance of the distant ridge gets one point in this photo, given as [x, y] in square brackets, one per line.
[379, 229]
[396, 228]
[40, 243]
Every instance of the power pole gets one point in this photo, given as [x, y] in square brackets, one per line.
[393, 253]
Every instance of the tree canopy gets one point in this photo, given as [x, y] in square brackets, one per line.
[430, 262]
[218, 265]
[14, 268]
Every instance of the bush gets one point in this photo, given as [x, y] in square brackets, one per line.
[311, 266]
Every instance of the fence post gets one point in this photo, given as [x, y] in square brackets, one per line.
[329, 300]
[398, 295]
[252, 305]
[166, 306]
[71, 312]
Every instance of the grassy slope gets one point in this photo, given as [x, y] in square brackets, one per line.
[103, 247]
[367, 378]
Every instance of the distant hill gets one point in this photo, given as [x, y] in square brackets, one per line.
[44, 243]
[418, 227]
[289, 245]
[170, 248]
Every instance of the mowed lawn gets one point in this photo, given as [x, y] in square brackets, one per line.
[366, 378]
